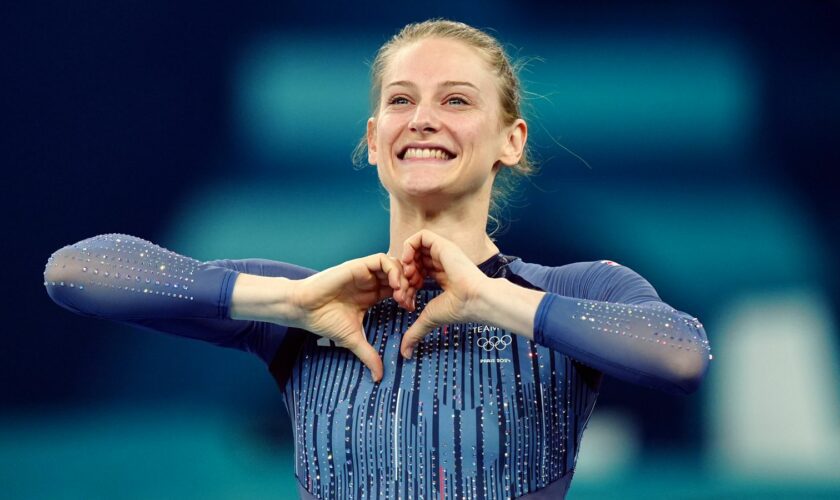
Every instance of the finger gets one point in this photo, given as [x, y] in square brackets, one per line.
[383, 280]
[412, 246]
[389, 266]
[416, 277]
[368, 355]
[414, 335]
[408, 252]
[384, 292]
[408, 268]
[417, 272]
[391, 277]
[413, 279]
[422, 272]
[409, 301]
[419, 329]
[396, 274]
[414, 273]
[405, 287]
[426, 257]
[434, 245]
[377, 265]
[422, 242]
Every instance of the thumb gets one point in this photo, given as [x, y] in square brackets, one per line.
[370, 357]
[426, 322]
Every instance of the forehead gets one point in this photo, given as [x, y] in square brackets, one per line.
[434, 60]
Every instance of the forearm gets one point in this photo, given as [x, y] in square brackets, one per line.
[509, 306]
[128, 279]
[264, 298]
[125, 278]
[652, 344]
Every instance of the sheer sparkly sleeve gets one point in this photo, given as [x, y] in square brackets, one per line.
[622, 328]
[133, 281]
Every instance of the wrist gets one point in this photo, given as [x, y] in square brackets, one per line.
[483, 311]
[265, 298]
[509, 306]
[285, 305]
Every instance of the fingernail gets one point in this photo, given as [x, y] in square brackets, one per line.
[409, 352]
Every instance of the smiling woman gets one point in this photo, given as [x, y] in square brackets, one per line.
[484, 368]
[440, 107]
[490, 68]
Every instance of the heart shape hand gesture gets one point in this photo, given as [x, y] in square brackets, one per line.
[429, 254]
[333, 302]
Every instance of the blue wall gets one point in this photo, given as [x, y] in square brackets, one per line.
[691, 142]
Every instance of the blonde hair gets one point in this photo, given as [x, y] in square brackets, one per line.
[508, 84]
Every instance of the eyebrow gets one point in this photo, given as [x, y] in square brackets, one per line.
[448, 83]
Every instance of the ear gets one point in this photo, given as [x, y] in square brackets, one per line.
[514, 146]
[371, 140]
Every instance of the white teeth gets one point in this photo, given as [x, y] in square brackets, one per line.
[425, 153]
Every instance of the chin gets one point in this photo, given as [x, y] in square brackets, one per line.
[419, 184]
[429, 194]
[419, 181]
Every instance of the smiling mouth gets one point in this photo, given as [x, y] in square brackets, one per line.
[425, 154]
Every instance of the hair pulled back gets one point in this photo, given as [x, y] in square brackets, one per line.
[510, 93]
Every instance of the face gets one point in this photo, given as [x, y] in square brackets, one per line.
[438, 133]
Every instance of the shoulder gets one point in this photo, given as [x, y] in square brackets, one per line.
[602, 279]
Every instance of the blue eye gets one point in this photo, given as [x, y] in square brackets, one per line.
[456, 100]
[398, 100]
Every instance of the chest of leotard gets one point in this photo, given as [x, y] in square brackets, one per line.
[477, 412]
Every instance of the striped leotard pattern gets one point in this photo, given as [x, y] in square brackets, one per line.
[478, 412]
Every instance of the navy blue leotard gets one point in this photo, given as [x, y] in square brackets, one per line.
[478, 412]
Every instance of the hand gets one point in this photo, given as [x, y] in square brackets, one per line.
[333, 303]
[426, 253]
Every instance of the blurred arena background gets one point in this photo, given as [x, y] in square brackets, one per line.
[694, 142]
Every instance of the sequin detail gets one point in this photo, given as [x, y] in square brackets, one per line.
[444, 420]
[121, 261]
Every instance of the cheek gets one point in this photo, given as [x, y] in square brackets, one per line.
[488, 136]
[471, 137]
[472, 129]
[387, 129]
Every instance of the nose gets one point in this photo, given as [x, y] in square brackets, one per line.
[424, 120]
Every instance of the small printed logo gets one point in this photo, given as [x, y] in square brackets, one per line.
[494, 342]
[610, 263]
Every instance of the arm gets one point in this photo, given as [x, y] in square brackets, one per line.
[621, 328]
[599, 313]
[264, 298]
[130, 280]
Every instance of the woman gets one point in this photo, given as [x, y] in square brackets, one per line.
[484, 368]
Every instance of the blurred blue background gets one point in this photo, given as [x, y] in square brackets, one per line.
[708, 132]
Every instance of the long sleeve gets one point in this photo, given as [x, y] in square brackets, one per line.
[130, 280]
[622, 328]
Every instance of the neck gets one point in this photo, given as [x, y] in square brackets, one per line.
[462, 221]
